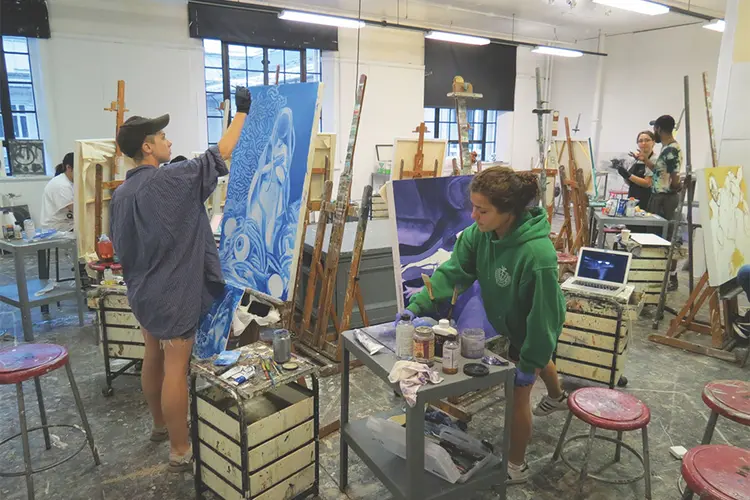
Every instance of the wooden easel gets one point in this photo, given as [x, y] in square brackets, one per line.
[418, 171]
[685, 321]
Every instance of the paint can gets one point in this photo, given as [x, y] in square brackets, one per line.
[282, 346]
[472, 343]
[451, 352]
[424, 344]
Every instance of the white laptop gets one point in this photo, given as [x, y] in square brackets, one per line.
[600, 272]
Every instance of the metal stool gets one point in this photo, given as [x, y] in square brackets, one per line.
[728, 398]
[26, 361]
[716, 472]
[611, 410]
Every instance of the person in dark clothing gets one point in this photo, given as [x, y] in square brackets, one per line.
[638, 186]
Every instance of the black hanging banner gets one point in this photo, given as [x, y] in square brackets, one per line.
[26, 18]
[246, 24]
[491, 69]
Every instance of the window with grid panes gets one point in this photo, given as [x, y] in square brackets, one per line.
[229, 65]
[21, 89]
[482, 135]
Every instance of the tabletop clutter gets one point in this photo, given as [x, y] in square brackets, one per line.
[420, 344]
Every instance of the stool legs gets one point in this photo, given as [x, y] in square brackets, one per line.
[586, 456]
[42, 412]
[558, 449]
[688, 495]
[646, 463]
[82, 412]
[618, 448]
[25, 439]
[710, 428]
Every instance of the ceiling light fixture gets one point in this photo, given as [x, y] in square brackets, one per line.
[456, 38]
[556, 51]
[639, 6]
[716, 25]
[306, 17]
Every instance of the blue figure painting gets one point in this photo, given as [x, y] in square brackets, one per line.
[268, 182]
[214, 327]
[429, 215]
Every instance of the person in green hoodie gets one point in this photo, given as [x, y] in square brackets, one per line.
[508, 250]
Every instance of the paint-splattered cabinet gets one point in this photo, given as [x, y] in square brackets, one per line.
[595, 337]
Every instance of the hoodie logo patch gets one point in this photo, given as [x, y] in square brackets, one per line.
[502, 277]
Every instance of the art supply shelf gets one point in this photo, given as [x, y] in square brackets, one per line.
[259, 440]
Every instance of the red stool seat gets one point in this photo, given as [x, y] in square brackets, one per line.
[27, 361]
[730, 399]
[100, 266]
[718, 472]
[612, 230]
[609, 409]
[566, 258]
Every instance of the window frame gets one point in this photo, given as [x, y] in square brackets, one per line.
[435, 124]
[269, 72]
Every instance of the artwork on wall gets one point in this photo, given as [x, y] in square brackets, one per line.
[215, 326]
[26, 156]
[428, 215]
[406, 149]
[268, 188]
[725, 207]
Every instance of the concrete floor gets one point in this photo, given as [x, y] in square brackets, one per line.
[668, 380]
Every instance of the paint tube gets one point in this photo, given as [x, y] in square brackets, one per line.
[370, 345]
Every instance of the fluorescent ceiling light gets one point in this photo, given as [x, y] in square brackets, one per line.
[456, 38]
[716, 25]
[639, 6]
[306, 17]
[556, 51]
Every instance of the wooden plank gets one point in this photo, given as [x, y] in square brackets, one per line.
[647, 265]
[116, 301]
[121, 319]
[219, 442]
[271, 450]
[573, 336]
[654, 252]
[291, 487]
[582, 353]
[587, 322]
[276, 472]
[128, 351]
[585, 306]
[567, 367]
[279, 422]
[218, 485]
[117, 334]
[694, 347]
[650, 276]
[221, 465]
[219, 419]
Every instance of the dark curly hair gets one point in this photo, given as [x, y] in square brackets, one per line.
[507, 190]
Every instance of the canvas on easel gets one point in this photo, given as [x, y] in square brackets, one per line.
[405, 150]
[581, 154]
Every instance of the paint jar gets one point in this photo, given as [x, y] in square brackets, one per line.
[472, 343]
[29, 229]
[405, 337]
[443, 333]
[424, 344]
[282, 346]
[451, 352]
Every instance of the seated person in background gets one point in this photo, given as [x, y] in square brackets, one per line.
[57, 201]
[639, 185]
[742, 325]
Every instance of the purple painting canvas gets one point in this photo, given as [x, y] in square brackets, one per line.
[429, 214]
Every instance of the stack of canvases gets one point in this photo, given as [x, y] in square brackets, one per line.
[262, 226]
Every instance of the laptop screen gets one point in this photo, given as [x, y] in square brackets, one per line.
[603, 266]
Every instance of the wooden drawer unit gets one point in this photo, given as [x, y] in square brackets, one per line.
[594, 341]
[262, 448]
[647, 269]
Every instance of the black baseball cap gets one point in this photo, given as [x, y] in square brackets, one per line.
[664, 122]
[135, 130]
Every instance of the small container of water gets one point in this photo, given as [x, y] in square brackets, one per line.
[282, 346]
[405, 337]
[472, 343]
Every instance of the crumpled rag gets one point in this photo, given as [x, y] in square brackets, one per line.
[411, 376]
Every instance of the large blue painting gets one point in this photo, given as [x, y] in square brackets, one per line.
[215, 326]
[429, 215]
[267, 192]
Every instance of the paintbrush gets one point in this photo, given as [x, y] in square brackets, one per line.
[428, 286]
[453, 302]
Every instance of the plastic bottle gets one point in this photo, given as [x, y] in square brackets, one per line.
[9, 222]
[451, 354]
[405, 337]
[444, 332]
[104, 248]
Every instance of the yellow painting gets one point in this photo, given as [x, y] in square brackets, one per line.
[725, 206]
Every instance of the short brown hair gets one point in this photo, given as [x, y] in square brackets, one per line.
[507, 190]
[648, 133]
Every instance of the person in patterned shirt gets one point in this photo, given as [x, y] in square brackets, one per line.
[663, 174]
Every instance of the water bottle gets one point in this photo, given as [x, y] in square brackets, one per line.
[405, 337]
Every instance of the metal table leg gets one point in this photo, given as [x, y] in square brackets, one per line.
[600, 235]
[43, 267]
[79, 286]
[344, 419]
[415, 449]
[23, 298]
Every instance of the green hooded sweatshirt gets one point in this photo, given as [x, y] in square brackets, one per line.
[518, 278]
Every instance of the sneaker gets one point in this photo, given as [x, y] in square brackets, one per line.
[518, 474]
[742, 330]
[159, 434]
[673, 283]
[181, 463]
[549, 405]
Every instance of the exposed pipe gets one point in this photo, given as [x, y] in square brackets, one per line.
[596, 112]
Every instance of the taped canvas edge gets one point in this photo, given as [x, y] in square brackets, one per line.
[300, 236]
[394, 246]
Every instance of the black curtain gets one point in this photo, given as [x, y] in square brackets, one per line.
[256, 25]
[491, 69]
[26, 18]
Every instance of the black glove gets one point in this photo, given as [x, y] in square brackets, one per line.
[623, 172]
[242, 100]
